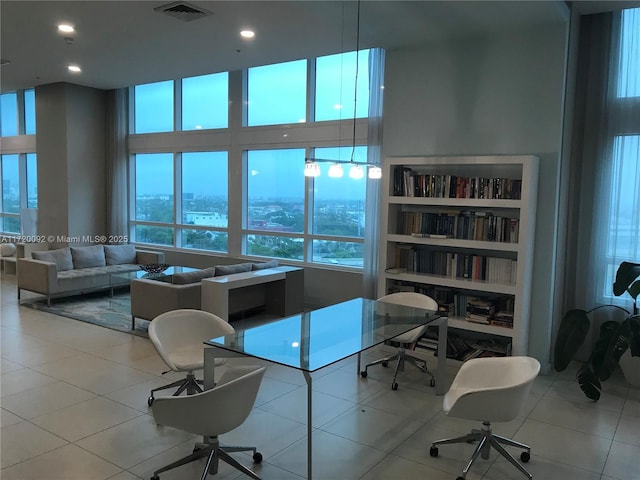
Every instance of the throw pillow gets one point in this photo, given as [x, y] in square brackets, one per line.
[120, 254]
[231, 269]
[86, 257]
[61, 257]
[192, 277]
[7, 249]
[263, 265]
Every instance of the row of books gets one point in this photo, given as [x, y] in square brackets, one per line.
[463, 225]
[491, 310]
[456, 265]
[463, 349]
[409, 183]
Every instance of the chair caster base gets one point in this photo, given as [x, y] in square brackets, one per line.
[433, 451]
[257, 457]
[150, 402]
[363, 374]
[394, 386]
[525, 457]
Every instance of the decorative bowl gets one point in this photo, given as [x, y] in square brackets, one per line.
[154, 267]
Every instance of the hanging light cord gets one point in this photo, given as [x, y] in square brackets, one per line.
[355, 93]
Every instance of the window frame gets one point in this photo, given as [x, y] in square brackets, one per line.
[237, 140]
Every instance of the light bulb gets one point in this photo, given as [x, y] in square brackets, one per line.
[311, 169]
[356, 172]
[335, 171]
[375, 172]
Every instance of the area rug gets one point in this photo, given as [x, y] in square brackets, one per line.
[96, 308]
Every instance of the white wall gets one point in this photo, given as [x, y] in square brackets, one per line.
[495, 95]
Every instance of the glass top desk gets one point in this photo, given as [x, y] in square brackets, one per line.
[313, 340]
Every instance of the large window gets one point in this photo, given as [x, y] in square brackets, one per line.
[275, 203]
[10, 194]
[191, 213]
[277, 94]
[338, 211]
[30, 112]
[621, 191]
[205, 204]
[18, 171]
[13, 103]
[205, 102]
[32, 180]
[275, 214]
[154, 198]
[246, 194]
[335, 80]
[19, 189]
[9, 117]
[154, 107]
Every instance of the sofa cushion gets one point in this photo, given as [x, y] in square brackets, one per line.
[85, 257]
[119, 254]
[231, 269]
[263, 265]
[185, 278]
[61, 257]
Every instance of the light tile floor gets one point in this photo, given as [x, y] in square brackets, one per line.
[73, 403]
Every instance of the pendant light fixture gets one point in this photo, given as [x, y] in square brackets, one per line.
[356, 169]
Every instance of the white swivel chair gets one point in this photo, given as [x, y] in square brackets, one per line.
[406, 340]
[490, 390]
[212, 413]
[178, 336]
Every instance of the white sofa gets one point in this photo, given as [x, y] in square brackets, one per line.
[76, 270]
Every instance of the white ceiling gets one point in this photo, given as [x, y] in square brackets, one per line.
[122, 43]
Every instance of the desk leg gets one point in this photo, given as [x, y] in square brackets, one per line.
[307, 377]
[442, 356]
[209, 368]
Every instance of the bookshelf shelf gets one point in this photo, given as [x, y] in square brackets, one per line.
[454, 242]
[455, 202]
[436, 196]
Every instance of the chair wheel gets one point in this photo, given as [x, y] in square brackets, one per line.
[525, 457]
[432, 383]
[385, 364]
[460, 478]
[150, 402]
[257, 457]
[363, 374]
[155, 477]
[196, 449]
[433, 451]
[394, 386]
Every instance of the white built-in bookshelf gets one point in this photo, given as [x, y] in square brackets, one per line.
[461, 229]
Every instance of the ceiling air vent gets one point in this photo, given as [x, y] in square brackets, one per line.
[183, 11]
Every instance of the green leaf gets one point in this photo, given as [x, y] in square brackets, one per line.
[611, 344]
[574, 328]
[634, 335]
[634, 289]
[626, 274]
[589, 383]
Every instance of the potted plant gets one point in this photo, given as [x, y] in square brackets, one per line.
[615, 337]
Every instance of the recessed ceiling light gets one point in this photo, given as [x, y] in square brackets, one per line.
[74, 68]
[66, 28]
[247, 34]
